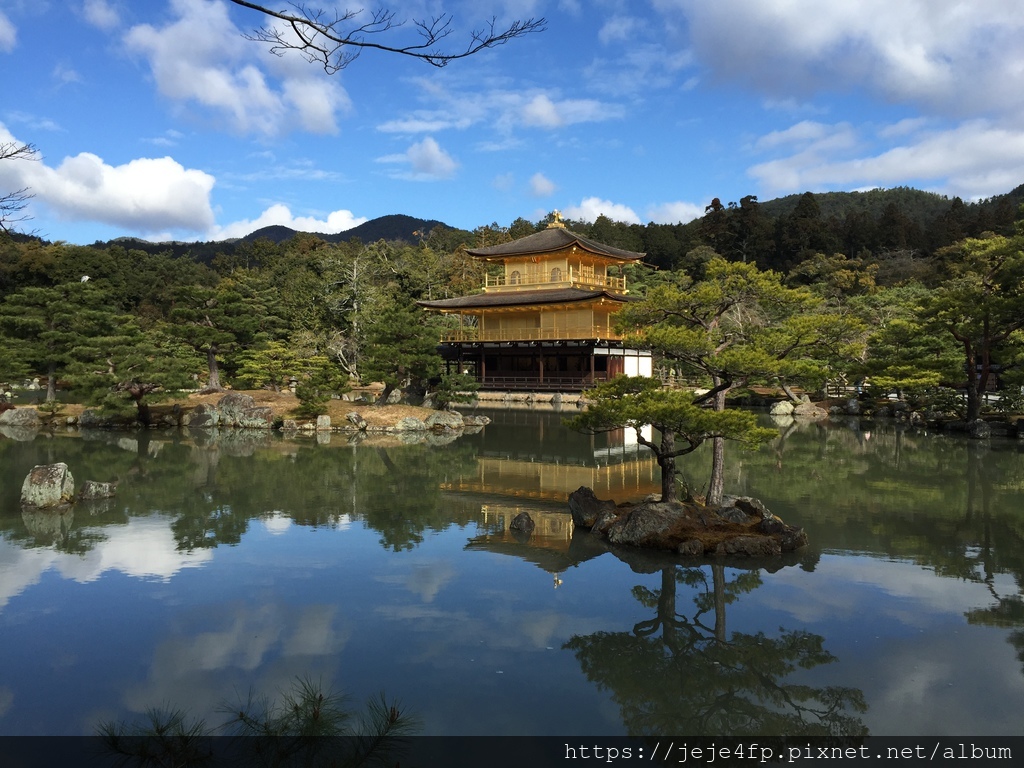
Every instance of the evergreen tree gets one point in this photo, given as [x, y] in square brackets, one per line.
[400, 346]
[981, 306]
[238, 312]
[49, 325]
[635, 402]
[130, 365]
[738, 325]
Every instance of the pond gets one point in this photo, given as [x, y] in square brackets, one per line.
[234, 562]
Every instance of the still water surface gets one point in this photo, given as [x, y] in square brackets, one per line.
[232, 562]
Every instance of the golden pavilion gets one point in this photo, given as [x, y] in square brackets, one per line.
[545, 322]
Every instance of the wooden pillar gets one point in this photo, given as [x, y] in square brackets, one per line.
[540, 366]
[592, 356]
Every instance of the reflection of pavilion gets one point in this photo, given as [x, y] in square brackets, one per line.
[533, 469]
[535, 457]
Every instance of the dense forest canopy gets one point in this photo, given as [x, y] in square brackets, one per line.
[281, 305]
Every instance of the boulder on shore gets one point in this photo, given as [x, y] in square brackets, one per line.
[742, 526]
[48, 485]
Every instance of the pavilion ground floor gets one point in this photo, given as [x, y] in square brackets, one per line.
[544, 366]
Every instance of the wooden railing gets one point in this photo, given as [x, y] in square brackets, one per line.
[553, 381]
[529, 334]
[569, 277]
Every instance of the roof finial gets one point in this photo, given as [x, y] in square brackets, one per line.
[556, 220]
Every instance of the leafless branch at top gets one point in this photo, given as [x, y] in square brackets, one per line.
[13, 203]
[335, 40]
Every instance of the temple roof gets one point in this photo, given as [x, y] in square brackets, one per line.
[520, 298]
[549, 240]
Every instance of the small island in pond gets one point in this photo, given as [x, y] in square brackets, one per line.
[740, 526]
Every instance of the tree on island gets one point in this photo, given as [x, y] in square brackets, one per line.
[634, 402]
[736, 326]
[334, 39]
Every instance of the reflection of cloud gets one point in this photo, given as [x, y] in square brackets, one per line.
[21, 568]
[6, 700]
[920, 681]
[427, 579]
[144, 548]
[277, 523]
[254, 644]
[827, 595]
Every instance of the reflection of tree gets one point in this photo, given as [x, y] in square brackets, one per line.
[400, 491]
[695, 679]
[1008, 609]
[215, 484]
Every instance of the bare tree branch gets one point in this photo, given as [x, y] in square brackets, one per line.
[335, 41]
[13, 203]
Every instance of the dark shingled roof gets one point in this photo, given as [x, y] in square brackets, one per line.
[519, 298]
[552, 239]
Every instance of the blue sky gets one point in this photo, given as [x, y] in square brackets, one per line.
[156, 118]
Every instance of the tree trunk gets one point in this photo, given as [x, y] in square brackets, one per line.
[144, 416]
[667, 462]
[51, 382]
[211, 363]
[716, 484]
[973, 393]
[790, 393]
[385, 394]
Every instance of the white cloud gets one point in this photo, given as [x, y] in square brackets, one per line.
[101, 14]
[143, 195]
[64, 74]
[620, 29]
[427, 161]
[8, 34]
[674, 213]
[808, 133]
[542, 112]
[541, 185]
[973, 159]
[952, 57]
[281, 215]
[592, 207]
[201, 58]
[430, 161]
[504, 110]
[504, 182]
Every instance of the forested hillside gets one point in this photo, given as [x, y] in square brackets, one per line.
[123, 321]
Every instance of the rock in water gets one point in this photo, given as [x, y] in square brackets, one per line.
[48, 485]
[586, 507]
[522, 522]
[93, 489]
